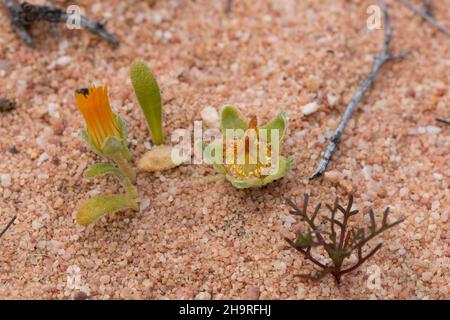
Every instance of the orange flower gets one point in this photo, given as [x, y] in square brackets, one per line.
[101, 122]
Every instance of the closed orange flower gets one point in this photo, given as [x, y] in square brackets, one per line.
[101, 122]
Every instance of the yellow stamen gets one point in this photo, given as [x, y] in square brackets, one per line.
[100, 120]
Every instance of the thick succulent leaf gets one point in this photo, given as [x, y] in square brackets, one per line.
[92, 209]
[100, 169]
[87, 140]
[232, 119]
[277, 123]
[284, 166]
[245, 183]
[149, 97]
[112, 146]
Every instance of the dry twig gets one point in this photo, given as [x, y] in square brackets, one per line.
[380, 60]
[426, 14]
[340, 241]
[23, 15]
[7, 226]
[443, 121]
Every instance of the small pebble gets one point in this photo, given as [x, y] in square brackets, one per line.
[210, 117]
[5, 179]
[310, 108]
[203, 296]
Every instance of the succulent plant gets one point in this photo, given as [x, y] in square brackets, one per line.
[248, 155]
[106, 135]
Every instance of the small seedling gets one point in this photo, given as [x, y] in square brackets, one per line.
[339, 241]
[248, 155]
[149, 97]
[106, 135]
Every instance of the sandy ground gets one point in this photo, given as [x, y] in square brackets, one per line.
[200, 238]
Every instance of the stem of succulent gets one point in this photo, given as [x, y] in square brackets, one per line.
[125, 166]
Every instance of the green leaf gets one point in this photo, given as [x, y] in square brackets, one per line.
[112, 146]
[148, 94]
[100, 169]
[232, 119]
[92, 209]
[207, 150]
[277, 123]
[245, 183]
[283, 168]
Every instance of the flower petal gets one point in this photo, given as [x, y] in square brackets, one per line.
[232, 119]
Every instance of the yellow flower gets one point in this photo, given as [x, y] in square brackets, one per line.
[101, 122]
[251, 166]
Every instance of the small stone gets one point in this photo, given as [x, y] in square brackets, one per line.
[210, 117]
[62, 61]
[36, 224]
[252, 293]
[203, 296]
[159, 159]
[144, 203]
[310, 108]
[332, 100]
[224, 253]
[333, 176]
[105, 279]
[312, 84]
[53, 110]
[5, 179]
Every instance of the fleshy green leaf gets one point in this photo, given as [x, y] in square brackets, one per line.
[277, 123]
[112, 146]
[100, 169]
[245, 183]
[92, 209]
[149, 97]
[283, 168]
[232, 119]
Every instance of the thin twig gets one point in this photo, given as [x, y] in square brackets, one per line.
[425, 14]
[8, 226]
[24, 14]
[428, 7]
[229, 6]
[385, 56]
[443, 121]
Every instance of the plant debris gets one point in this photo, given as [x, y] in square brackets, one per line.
[385, 56]
[23, 15]
[443, 120]
[426, 14]
[8, 226]
[338, 244]
[7, 105]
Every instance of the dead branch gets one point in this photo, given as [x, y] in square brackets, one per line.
[8, 226]
[426, 14]
[380, 60]
[23, 15]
